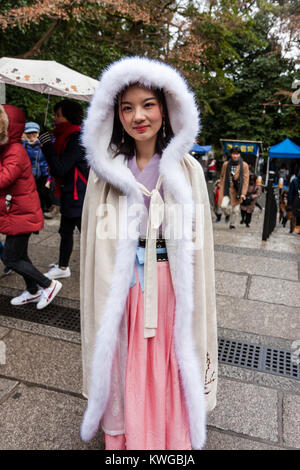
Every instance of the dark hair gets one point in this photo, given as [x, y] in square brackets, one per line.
[235, 149]
[71, 110]
[127, 148]
[252, 177]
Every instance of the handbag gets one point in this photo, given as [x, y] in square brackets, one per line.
[225, 202]
[247, 201]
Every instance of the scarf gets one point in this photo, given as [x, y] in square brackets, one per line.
[229, 179]
[62, 132]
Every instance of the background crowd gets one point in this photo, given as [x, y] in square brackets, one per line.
[40, 174]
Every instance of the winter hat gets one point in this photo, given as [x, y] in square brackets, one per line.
[31, 127]
[235, 149]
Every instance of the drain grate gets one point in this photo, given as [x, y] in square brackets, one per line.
[260, 358]
[240, 354]
[54, 315]
[279, 362]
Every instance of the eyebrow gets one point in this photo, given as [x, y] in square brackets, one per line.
[144, 101]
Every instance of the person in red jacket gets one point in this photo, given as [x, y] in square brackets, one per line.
[20, 210]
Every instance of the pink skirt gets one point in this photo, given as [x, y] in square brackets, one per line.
[155, 411]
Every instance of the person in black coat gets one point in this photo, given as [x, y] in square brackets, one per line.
[294, 204]
[66, 159]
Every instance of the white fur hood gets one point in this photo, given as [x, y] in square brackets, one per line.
[97, 128]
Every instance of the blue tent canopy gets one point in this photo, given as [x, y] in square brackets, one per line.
[200, 148]
[285, 149]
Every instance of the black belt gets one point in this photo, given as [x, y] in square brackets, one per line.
[160, 243]
[161, 256]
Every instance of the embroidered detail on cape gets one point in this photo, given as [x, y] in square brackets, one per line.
[210, 376]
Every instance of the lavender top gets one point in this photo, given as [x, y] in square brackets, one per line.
[148, 177]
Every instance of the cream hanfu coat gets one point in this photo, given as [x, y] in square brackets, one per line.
[108, 250]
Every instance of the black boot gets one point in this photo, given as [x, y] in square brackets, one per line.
[243, 217]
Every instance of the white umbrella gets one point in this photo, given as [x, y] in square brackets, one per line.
[47, 76]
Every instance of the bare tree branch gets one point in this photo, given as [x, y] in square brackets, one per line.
[36, 48]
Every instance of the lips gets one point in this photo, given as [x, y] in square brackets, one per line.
[141, 128]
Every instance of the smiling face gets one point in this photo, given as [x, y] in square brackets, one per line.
[140, 113]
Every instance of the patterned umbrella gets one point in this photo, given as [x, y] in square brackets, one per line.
[47, 76]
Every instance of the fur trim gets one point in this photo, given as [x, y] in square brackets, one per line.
[107, 335]
[4, 123]
[183, 334]
[97, 131]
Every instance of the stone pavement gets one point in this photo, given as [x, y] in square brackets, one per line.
[258, 302]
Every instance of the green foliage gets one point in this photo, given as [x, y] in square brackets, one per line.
[258, 73]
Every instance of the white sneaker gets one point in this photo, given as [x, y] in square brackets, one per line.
[26, 297]
[56, 272]
[48, 294]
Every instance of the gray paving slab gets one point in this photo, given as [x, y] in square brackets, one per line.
[39, 329]
[43, 360]
[13, 281]
[37, 419]
[6, 388]
[285, 242]
[256, 265]
[217, 440]
[272, 291]
[246, 251]
[246, 409]
[3, 331]
[38, 238]
[42, 256]
[275, 382]
[238, 237]
[54, 240]
[259, 317]
[2, 352]
[278, 241]
[231, 284]
[280, 343]
[291, 420]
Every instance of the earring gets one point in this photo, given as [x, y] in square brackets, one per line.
[123, 136]
[164, 128]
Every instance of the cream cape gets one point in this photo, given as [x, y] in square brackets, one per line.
[107, 262]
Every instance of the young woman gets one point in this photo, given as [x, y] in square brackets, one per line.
[148, 314]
